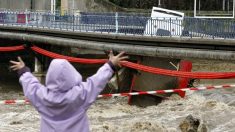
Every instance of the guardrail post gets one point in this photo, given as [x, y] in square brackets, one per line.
[60, 22]
[37, 19]
[73, 20]
[151, 27]
[214, 30]
[26, 17]
[170, 27]
[116, 21]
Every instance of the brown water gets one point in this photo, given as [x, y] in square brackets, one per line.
[215, 108]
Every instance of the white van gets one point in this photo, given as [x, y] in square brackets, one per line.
[164, 22]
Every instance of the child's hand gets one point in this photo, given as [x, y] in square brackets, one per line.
[17, 65]
[117, 59]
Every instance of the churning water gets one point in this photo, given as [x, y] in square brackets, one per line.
[214, 108]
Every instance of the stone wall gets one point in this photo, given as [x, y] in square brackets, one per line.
[15, 4]
[42, 5]
[25, 4]
[77, 5]
[90, 5]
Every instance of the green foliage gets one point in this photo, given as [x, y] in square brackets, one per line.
[173, 4]
[58, 4]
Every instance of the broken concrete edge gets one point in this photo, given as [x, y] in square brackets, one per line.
[153, 51]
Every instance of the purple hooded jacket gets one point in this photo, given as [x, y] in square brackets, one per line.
[63, 102]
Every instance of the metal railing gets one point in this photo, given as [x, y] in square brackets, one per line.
[122, 23]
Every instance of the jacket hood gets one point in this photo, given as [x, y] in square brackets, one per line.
[62, 76]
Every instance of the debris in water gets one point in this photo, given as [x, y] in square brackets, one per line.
[191, 124]
[16, 123]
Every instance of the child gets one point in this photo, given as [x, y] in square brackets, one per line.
[64, 100]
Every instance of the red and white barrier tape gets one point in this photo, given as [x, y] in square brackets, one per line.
[168, 91]
[7, 102]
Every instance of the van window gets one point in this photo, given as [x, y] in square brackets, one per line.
[168, 13]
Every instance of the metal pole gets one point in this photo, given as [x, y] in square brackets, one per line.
[52, 6]
[73, 7]
[199, 4]
[223, 5]
[159, 3]
[195, 8]
[73, 15]
[36, 65]
[233, 7]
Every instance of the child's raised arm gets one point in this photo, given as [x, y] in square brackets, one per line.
[31, 86]
[96, 83]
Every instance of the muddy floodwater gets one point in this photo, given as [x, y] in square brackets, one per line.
[214, 108]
